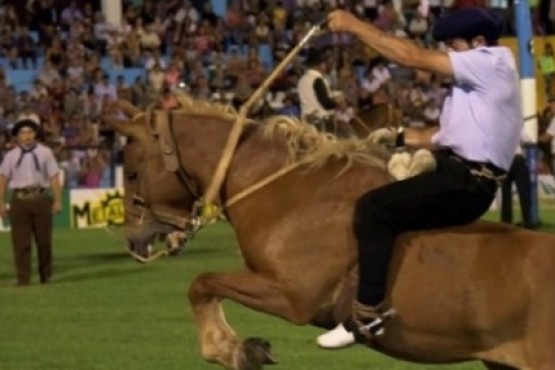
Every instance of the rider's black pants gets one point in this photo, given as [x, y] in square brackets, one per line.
[449, 196]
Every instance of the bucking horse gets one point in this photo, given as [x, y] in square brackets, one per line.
[483, 291]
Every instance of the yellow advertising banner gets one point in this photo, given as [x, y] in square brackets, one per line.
[539, 47]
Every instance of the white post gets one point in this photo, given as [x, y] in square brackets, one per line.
[112, 10]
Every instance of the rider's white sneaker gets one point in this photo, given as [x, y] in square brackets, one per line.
[336, 338]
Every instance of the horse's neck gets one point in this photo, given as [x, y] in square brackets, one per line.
[376, 117]
[255, 158]
[202, 143]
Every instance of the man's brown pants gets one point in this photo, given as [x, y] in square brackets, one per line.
[31, 215]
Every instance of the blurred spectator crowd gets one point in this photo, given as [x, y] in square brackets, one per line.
[76, 62]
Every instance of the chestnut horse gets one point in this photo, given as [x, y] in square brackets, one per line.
[483, 291]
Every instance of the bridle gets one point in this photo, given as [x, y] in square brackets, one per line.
[160, 125]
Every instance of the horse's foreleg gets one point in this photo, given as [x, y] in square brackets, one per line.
[219, 343]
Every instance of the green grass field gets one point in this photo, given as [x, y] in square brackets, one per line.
[105, 311]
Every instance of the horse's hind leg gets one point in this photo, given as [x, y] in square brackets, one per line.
[219, 343]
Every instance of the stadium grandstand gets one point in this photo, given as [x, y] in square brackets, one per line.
[61, 61]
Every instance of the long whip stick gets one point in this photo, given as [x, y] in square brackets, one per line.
[209, 209]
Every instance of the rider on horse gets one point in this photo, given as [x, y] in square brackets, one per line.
[315, 95]
[480, 127]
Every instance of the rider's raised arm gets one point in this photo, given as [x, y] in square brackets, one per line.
[398, 50]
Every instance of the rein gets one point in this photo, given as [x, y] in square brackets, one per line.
[161, 124]
[361, 123]
[149, 213]
[392, 120]
[261, 183]
[162, 129]
[188, 225]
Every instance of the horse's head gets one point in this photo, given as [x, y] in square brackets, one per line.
[146, 178]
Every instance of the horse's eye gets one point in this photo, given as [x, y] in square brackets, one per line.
[131, 175]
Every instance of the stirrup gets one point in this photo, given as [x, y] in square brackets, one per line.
[369, 320]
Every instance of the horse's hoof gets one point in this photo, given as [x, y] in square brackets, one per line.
[258, 352]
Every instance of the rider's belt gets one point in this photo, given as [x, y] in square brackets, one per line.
[28, 193]
[482, 169]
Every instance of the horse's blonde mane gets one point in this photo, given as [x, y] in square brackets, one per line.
[315, 148]
[190, 105]
[304, 142]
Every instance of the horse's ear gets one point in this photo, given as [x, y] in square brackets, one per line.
[127, 108]
[128, 125]
[123, 127]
